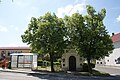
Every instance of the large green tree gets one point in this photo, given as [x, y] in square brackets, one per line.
[47, 34]
[97, 42]
[89, 36]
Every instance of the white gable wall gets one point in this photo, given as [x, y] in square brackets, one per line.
[117, 45]
[65, 60]
[113, 57]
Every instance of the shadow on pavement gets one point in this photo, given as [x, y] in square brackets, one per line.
[46, 76]
[72, 77]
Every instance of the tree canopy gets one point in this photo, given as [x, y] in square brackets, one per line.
[46, 35]
[89, 35]
[86, 34]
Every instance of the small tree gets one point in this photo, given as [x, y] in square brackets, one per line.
[46, 35]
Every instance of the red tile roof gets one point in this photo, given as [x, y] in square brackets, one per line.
[15, 48]
[116, 37]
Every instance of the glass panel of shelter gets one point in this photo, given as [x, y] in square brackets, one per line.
[27, 61]
[20, 61]
[24, 61]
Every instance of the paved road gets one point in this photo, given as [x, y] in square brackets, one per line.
[108, 69]
[16, 76]
[34, 76]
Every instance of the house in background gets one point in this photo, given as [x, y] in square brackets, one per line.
[6, 51]
[114, 58]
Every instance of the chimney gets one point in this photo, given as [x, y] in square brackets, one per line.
[113, 34]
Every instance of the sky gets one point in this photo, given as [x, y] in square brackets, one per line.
[15, 16]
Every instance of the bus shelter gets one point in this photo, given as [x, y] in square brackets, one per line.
[24, 60]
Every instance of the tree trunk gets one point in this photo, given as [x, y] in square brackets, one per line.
[51, 61]
[89, 65]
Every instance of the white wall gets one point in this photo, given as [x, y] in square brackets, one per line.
[34, 64]
[66, 56]
[14, 61]
[113, 57]
[100, 62]
[117, 45]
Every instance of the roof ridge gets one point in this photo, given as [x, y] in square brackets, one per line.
[116, 37]
[116, 34]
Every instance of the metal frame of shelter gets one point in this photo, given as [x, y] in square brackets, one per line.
[22, 60]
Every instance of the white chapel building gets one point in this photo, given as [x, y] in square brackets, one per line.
[71, 61]
[114, 58]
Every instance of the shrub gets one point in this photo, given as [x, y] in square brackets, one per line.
[40, 62]
[92, 65]
[9, 65]
[43, 63]
[46, 63]
[85, 67]
[57, 63]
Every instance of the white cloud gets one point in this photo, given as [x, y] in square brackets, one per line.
[14, 28]
[3, 29]
[34, 9]
[11, 26]
[34, 12]
[118, 18]
[70, 9]
[28, 17]
[24, 29]
[21, 3]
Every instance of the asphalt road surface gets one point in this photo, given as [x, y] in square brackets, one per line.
[16, 76]
[34, 76]
[109, 69]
